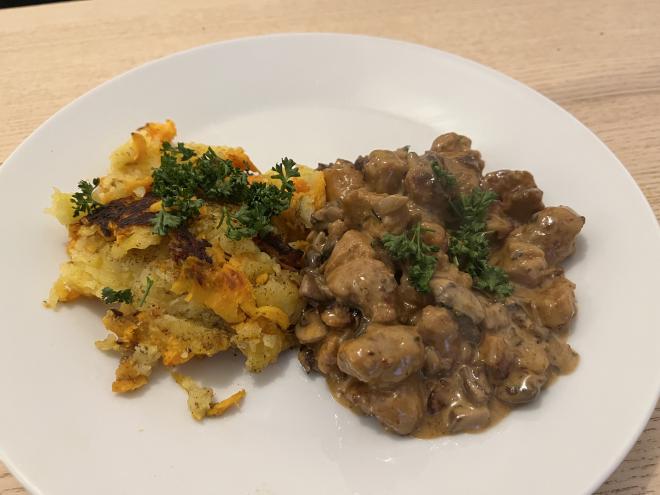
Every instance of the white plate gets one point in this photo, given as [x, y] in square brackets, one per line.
[315, 98]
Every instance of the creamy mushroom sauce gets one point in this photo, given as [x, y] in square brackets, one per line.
[452, 359]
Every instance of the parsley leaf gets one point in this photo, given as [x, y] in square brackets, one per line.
[410, 248]
[179, 182]
[110, 296]
[472, 208]
[83, 200]
[447, 180]
[469, 248]
[186, 153]
[495, 280]
[262, 202]
[165, 221]
[175, 183]
[285, 170]
[218, 180]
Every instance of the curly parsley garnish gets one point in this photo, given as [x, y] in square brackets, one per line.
[185, 182]
[468, 245]
[164, 221]
[411, 249]
[109, 295]
[175, 182]
[263, 202]
[83, 200]
[469, 248]
[219, 180]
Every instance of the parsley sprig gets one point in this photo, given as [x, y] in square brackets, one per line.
[185, 182]
[263, 202]
[83, 199]
[176, 182]
[469, 247]
[411, 249]
[109, 295]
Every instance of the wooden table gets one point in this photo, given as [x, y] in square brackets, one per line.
[598, 59]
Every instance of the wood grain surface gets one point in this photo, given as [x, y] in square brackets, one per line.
[599, 59]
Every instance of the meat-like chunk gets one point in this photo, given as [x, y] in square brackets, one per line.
[452, 143]
[384, 172]
[341, 178]
[352, 245]
[531, 356]
[434, 234]
[335, 230]
[554, 230]
[399, 408]
[422, 186]
[457, 297]
[438, 328]
[458, 147]
[467, 175]
[496, 316]
[359, 207]
[393, 212]
[323, 217]
[367, 284]
[532, 249]
[498, 223]
[555, 302]
[448, 270]
[440, 332]
[356, 279]
[419, 214]
[433, 363]
[377, 213]
[410, 299]
[459, 159]
[518, 192]
[383, 355]
[524, 262]
[496, 354]
[313, 287]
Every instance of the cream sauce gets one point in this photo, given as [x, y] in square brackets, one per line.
[455, 359]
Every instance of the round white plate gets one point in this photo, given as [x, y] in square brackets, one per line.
[315, 98]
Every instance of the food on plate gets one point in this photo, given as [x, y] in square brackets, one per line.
[431, 296]
[435, 294]
[193, 251]
[200, 399]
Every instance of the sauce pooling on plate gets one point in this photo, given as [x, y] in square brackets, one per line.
[435, 295]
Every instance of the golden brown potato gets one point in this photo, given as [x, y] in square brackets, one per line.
[195, 292]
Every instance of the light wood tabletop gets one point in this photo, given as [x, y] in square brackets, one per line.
[599, 59]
